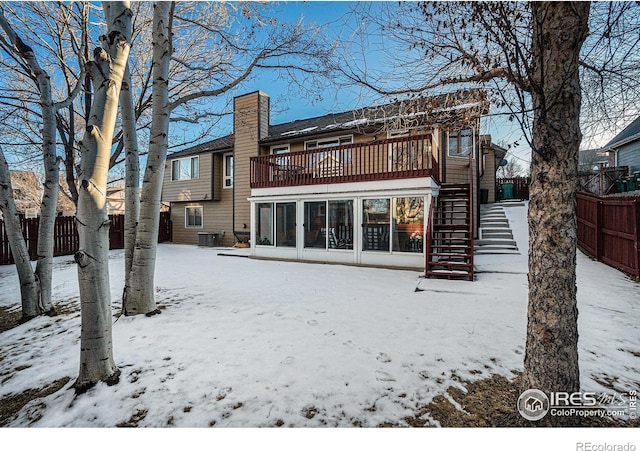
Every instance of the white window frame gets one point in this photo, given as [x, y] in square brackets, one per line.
[345, 156]
[458, 136]
[190, 160]
[281, 149]
[328, 142]
[225, 176]
[186, 217]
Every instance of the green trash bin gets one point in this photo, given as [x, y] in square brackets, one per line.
[632, 184]
[621, 185]
[507, 190]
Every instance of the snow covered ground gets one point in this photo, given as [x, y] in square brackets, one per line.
[252, 343]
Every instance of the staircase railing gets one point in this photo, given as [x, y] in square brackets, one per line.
[428, 236]
[472, 214]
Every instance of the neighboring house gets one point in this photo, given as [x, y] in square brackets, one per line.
[590, 160]
[492, 155]
[624, 148]
[27, 194]
[115, 201]
[353, 187]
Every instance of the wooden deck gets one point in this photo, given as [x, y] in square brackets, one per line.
[396, 158]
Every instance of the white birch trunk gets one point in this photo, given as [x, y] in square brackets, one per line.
[132, 165]
[139, 288]
[44, 266]
[107, 71]
[28, 283]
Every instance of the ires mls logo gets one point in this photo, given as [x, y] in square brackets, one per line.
[533, 404]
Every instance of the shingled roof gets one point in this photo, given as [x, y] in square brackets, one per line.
[631, 132]
[453, 109]
[222, 144]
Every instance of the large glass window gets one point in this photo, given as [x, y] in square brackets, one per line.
[264, 226]
[184, 168]
[193, 217]
[315, 225]
[376, 221]
[340, 224]
[408, 224]
[286, 224]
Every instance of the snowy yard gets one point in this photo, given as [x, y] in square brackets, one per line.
[251, 343]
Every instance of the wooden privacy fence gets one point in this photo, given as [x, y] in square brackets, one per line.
[65, 235]
[609, 230]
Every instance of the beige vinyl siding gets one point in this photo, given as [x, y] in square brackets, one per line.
[249, 111]
[216, 217]
[488, 179]
[192, 189]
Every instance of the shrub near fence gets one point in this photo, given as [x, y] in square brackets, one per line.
[609, 230]
[65, 236]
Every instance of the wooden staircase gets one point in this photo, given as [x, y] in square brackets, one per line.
[450, 234]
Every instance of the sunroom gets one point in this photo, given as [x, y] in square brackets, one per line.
[362, 204]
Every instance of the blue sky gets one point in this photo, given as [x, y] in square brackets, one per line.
[287, 106]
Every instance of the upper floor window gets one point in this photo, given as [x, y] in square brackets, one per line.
[279, 150]
[184, 168]
[343, 156]
[228, 170]
[461, 143]
[328, 142]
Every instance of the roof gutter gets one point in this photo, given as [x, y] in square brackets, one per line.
[614, 147]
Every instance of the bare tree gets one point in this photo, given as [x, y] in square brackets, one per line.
[531, 58]
[28, 283]
[511, 169]
[138, 294]
[27, 63]
[106, 71]
[242, 39]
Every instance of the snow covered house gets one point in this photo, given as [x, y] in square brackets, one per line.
[354, 187]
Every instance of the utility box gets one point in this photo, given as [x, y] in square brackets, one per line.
[207, 239]
[507, 190]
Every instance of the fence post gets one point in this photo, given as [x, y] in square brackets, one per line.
[598, 220]
[636, 207]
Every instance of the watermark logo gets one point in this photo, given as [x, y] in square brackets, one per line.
[533, 404]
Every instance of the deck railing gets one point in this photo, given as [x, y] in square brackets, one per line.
[395, 158]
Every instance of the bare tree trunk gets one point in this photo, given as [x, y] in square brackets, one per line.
[551, 360]
[44, 265]
[107, 71]
[132, 178]
[139, 288]
[29, 288]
